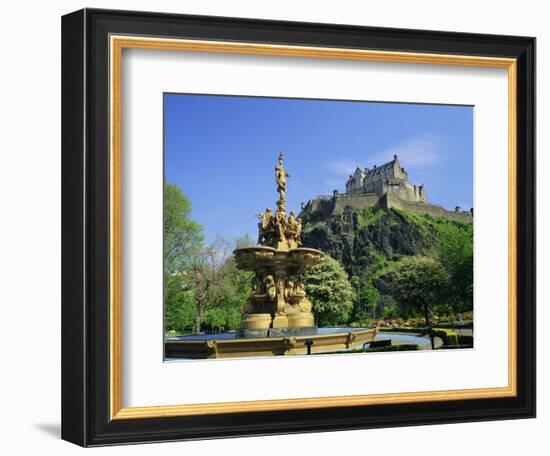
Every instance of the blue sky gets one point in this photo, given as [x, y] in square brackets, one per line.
[221, 151]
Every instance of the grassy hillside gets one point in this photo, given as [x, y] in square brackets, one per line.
[361, 238]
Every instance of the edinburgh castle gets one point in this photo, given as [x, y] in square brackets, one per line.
[386, 186]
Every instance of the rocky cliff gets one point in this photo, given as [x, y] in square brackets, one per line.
[357, 237]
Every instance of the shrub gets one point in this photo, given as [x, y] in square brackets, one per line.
[387, 348]
[330, 292]
[405, 329]
[390, 348]
[448, 336]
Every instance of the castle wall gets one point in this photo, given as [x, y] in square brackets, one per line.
[374, 187]
[321, 203]
[357, 201]
[376, 175]
[399, 187]
[409, 192]
[390, 200]
[325, 206]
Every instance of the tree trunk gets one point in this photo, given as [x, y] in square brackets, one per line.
[426, 315]
[427, 318]
[197, 323]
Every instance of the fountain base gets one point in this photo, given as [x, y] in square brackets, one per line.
[266, 325]
[232, 345]
[278, 305]
[277, 332]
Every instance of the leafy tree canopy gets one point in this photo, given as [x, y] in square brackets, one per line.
[182, 241]
[329, 290]
[232, 290]
[417, 283]
[455, 250]
[179, 307]
[183, 237]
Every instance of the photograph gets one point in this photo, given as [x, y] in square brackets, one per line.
[316, 226]
[287, 225]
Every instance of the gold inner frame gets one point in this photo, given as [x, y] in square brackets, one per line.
[117, 44]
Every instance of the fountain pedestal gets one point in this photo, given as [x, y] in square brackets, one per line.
[278, 305]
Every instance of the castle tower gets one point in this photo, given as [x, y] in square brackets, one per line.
[390, 177]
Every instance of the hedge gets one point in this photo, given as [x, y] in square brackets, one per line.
[403, 330]
[390, 348]
[387, 348]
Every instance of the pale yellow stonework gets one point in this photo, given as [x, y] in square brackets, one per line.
[278, 299]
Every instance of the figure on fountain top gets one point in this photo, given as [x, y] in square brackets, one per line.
[277, 230]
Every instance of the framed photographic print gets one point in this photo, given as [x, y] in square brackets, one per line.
[277, 227]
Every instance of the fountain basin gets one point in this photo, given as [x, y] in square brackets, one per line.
[264, 257]
[229, 345]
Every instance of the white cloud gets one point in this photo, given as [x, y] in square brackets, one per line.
[342, 167]
[420, 151]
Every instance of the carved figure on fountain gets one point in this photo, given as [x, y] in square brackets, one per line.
[278, 304]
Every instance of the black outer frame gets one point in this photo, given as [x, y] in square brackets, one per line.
[85, 227]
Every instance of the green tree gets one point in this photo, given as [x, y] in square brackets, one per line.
[178, 304]
[330, 292]
[219, 287]
[417, 283]
[182, 240]
[365, 298]
[369, 298]
[355, 283]
[234, 287]
[183, 237]
[206, 278]
[455, 250]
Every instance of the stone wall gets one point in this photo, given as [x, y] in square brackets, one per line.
[399, 187]
[390, 200]
[325, 206]
[357, 201]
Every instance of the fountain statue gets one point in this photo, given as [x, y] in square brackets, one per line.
[276, 318]
[278, 305]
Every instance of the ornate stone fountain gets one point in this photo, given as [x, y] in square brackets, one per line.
[276, 318]
[278, 305]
